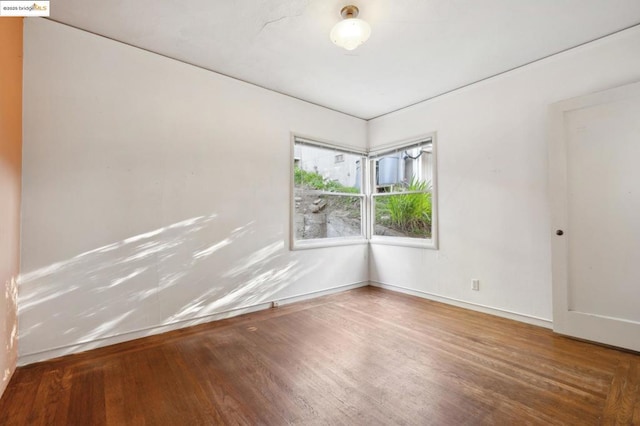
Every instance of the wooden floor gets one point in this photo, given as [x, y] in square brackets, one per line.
[363, 357]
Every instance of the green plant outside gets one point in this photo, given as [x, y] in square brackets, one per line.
[408, 213]
[315, 180]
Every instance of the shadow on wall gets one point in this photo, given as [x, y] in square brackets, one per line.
[173, 274]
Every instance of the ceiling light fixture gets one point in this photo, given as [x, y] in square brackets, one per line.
[351, 32]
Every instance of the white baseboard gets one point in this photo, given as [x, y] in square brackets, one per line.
[529, 319]
[320, 293]
[30, 358]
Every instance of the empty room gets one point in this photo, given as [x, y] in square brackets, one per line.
[313, 212]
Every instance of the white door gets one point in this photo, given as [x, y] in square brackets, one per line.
[594, 177]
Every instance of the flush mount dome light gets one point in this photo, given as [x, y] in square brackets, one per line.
[351, 32]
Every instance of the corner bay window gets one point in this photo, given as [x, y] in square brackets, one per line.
[342, 196]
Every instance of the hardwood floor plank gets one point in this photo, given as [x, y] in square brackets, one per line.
[115, 395]
[624, 394]
[24, 384]
[362, 357]
[204, 402]
[87, 402]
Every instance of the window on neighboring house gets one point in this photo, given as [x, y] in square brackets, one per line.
[341, 196]
[402, 194]
[328, 201]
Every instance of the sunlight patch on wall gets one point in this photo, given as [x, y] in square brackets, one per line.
[11, 298]
[256, 259]
[121, 280]
[81, 296]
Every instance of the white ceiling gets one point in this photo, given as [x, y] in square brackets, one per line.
[418, 48]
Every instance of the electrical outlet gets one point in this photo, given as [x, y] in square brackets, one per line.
[475, 285]
[275, 304]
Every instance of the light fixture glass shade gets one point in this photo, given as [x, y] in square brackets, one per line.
[350, 33]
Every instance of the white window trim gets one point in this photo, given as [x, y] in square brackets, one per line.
[326, 242]
[367, 219]
[332, 242]
[423, 243]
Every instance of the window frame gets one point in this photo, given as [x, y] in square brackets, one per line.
[367, 205]
[426, 243]
[296, 244]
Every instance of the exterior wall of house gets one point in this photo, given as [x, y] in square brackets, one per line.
[331, 165]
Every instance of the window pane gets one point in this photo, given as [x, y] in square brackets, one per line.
[326, 216]
[403, 193]
[398, 170]
[403, 215]
[318, 168]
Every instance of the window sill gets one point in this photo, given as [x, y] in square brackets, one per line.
[404, 242]
[327, 242]
[339, 242]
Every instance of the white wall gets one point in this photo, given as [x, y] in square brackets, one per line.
[156, 192]
[492, 177]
